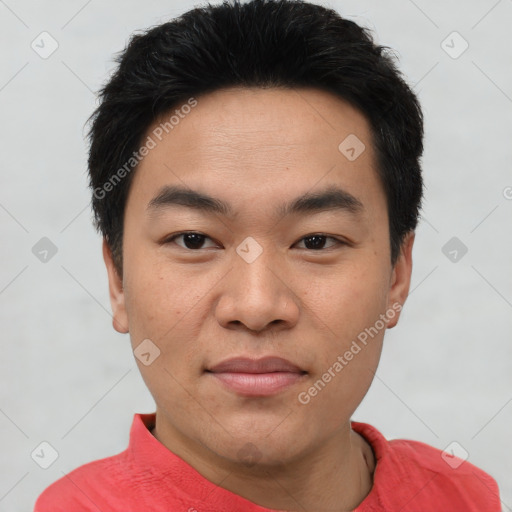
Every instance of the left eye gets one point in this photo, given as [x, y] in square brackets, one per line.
[318, 242]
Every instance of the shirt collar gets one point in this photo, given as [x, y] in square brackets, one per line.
[153, 460]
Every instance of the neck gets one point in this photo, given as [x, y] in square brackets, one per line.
[333, 477]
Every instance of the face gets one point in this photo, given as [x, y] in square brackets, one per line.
[250, 235]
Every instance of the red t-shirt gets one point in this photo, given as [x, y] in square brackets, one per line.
[147, 477]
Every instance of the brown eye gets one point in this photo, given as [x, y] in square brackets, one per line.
[190, 240]
[318, 242]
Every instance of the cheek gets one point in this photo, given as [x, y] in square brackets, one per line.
[348, 314]
[168, 305]
[351, 299]
[335, 393]
[157, 293]
[154, 303]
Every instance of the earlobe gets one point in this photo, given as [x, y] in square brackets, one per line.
[400, 279]
[116, 292]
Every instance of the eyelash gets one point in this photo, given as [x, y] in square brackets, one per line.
[328, 237]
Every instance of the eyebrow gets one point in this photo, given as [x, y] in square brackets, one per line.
[332, 198]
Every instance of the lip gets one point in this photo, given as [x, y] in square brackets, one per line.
[257, 377]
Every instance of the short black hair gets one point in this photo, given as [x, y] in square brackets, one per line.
[260, 43]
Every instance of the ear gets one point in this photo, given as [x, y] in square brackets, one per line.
[115, 286]
[400, 279]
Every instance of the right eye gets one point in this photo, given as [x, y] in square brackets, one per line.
[191, 240]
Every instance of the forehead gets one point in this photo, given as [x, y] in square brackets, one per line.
[258, 144]
[247, 117]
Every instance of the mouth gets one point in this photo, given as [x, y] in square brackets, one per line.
[257, 377]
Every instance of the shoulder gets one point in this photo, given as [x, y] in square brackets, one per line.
[110, 483]
[421, 475]
[90, 487]
[444, 466]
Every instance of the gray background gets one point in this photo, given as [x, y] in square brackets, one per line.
[70, 380]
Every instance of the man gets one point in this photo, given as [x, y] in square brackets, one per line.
[256, 178]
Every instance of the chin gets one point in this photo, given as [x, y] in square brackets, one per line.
[265, 446]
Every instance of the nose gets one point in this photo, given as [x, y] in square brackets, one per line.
[257, 296]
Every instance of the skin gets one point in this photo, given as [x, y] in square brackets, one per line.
[256, 149]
